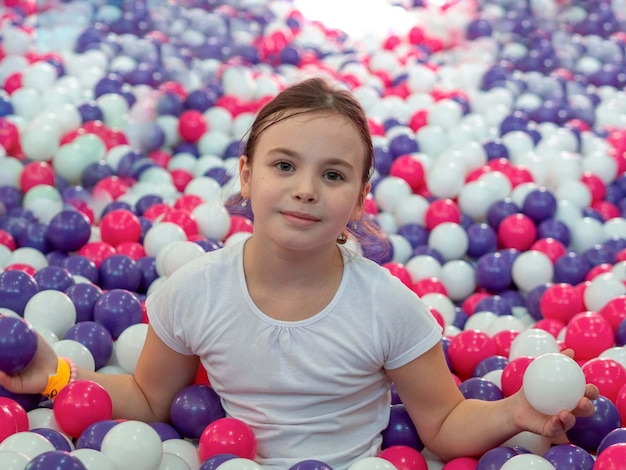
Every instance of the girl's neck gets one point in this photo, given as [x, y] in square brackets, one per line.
[280, 267]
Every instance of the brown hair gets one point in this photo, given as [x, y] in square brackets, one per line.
[310, 96]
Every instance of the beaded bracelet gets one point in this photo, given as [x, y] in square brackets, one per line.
[65, 374]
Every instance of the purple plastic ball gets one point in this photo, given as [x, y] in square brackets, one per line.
[55, 437]
[16, 289]
[539, 205]
[310, 465]
[569, 456]
[165, 431]
[533, 301]
[553, 228]
[57, 459]
[415, 234]
[54, 278]
[495, 149]
[494, 304]
[490, 364]
[499, 210]
[119, 272]
[95, 337]
[620, 334]
[616, 436]
[494, 458]
[18, 344]
[480, 389]
[589, 431]
[69, 230]
[401, 430]
[116, 310]
[194, 408]
[403, 144]
[82, 266]
[482, 239]
[217, 460]
[571, 268]
[92, 436]
[35, 236]
[84, 296]
[493, 272]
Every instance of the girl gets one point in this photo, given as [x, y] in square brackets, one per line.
[300, 336]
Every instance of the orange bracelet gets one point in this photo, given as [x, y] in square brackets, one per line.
[66, 373]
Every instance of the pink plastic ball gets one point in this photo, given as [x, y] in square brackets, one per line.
[120, 225]
[399, 271]
[606, 374]
[192, 125]
[80, 404]
[467, 349]
[469, 304]
[513, 375]
[36, 173]
[410, 169]
[239, 223]
[611, 458]
[614, 311]
[620, 403]
[588, 334]
[560, 302]
[184, 220]
[440, 211]
[462, 463]
[429, 285]
[551, 325]
[97, 252]
[7, 240]
[8, 424]
[133, 250]
[502, 340]
[404, 458]
[17, 411]
[227, 436]
[550, 247]
[517, 231]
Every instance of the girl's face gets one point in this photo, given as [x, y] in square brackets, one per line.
[304, 181]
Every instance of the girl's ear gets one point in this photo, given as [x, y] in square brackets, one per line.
[244, 176]
[356, 214]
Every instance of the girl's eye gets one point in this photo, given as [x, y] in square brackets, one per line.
[333, 176]
[284, 166]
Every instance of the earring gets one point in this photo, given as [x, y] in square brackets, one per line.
[354, 226]
[342, 238]
[244, 203]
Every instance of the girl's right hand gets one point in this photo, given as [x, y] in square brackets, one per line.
[34, 378]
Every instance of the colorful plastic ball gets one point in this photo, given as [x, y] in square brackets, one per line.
[494, 272]
[303, 465]
[588, 334]
[54, 278]
[588, 431]
[553, 382]
[214, 462]
[93, 434]
[400, 430]
[166, 431]
[571, 268]
[36, 173]
[482, 239]
[16, 411]
[58, 440]
[192, 125]
[16, 289]
[531, 269]
[84, 296]
[461, 463]
[194, 408]
[95, 337]
[526, 461]
[404, 458]
[133, 444]
[602, 289]
[513, 374]
[116, 310]
[56, 459]
[410, 169]
[612, 457]
[551, 247]
[606, 374]
[440, 211]
[119, 272]
[560, 302]
[51, 309]
[517, 231]
[467, 349]
[616, 436]
[480, 389]
[69, 230]
[119, 226]
[539, 204]
[227, 436]
[80, 404]
[372, 463]
[18, 344]
[566, 456]
[495, 458]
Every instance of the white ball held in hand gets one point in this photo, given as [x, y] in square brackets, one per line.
[553, 382]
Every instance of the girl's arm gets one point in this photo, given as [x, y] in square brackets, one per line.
[146, 396]
[451, 426]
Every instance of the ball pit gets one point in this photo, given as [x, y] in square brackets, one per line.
[500, 142]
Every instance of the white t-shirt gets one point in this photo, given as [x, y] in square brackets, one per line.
[310, 389]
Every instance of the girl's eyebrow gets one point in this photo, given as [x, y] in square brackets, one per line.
[295, 155]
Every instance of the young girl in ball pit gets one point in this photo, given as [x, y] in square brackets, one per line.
[300, 335]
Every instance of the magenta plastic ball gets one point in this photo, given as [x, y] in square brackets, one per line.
[18, 344]
[194, 408]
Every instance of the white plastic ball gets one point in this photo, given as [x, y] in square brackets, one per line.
[371, 463]
[574, 191]
[445, 181]
[175, 255]
[133, 444]
[10, 171]
[445, 113]
[527, 462]
[480, 321]
[28, 256]
[517, 143]
[183, 449]
[160, 235]
[51, 309]
[13, 460]
[568, 213]
[431, 140]
[129, 345]
[411, 210]
[499, 185]
[533, 343]
[390, 191]
[173, 462]
[553, 382]
[76, 351]
[518, 195]
[617, 353]
[585, 233]
[494, 376]
[218, 119]
[206, 188]
[239, 464]
[42, 418]
[459, 278]
[535, 443]
[213, 219]
[442, 304]
[402, 249]
[422, 267]
[506, 322]
[449, 239]
[531, 269]
[474, 199]
[93, 459]
[27, 443]
[601, 290]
